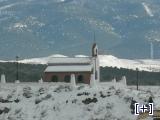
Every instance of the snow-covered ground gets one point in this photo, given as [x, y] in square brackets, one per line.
[50, 101]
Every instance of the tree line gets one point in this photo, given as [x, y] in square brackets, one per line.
[33, 73]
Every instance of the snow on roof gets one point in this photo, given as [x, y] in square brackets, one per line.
[69, 68]
[67, 60]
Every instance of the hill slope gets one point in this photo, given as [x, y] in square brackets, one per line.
[60, 101]
[38, 28]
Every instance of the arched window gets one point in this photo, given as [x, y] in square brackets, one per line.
[67, 78]
[54, 78]
[80, 79]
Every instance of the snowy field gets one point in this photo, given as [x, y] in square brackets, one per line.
[50, 101]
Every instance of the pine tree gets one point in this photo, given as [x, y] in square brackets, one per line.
[132, 106]
[150, 100]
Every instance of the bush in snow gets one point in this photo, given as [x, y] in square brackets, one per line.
[118, 92]
[41, 91]
[2, 100]
[27, 92]
[62, 88]
[102, 95]
[7, 100]
[4, 110]
[84, 93]
[48, 96]
[1, 111]
[89, 100]
[38, 100]
[16, 100]
[108, 94]
[150, 100]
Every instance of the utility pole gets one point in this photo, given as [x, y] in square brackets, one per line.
[137, 76]
[152, 50]
[17, 66]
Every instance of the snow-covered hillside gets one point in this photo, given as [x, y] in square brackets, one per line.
[108, 60]
[48, 101]
[43, 60]
[141, 64]
[42, 27]
[2, 61]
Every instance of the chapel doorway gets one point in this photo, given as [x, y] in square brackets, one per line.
[80, 79]
[54, 78]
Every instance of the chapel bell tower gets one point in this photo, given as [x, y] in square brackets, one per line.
[94, 50]
[96, 70]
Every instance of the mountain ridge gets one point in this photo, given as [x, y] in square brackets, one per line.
[35, 28]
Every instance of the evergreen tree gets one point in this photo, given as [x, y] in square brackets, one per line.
[150, 100]
[132, 106]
